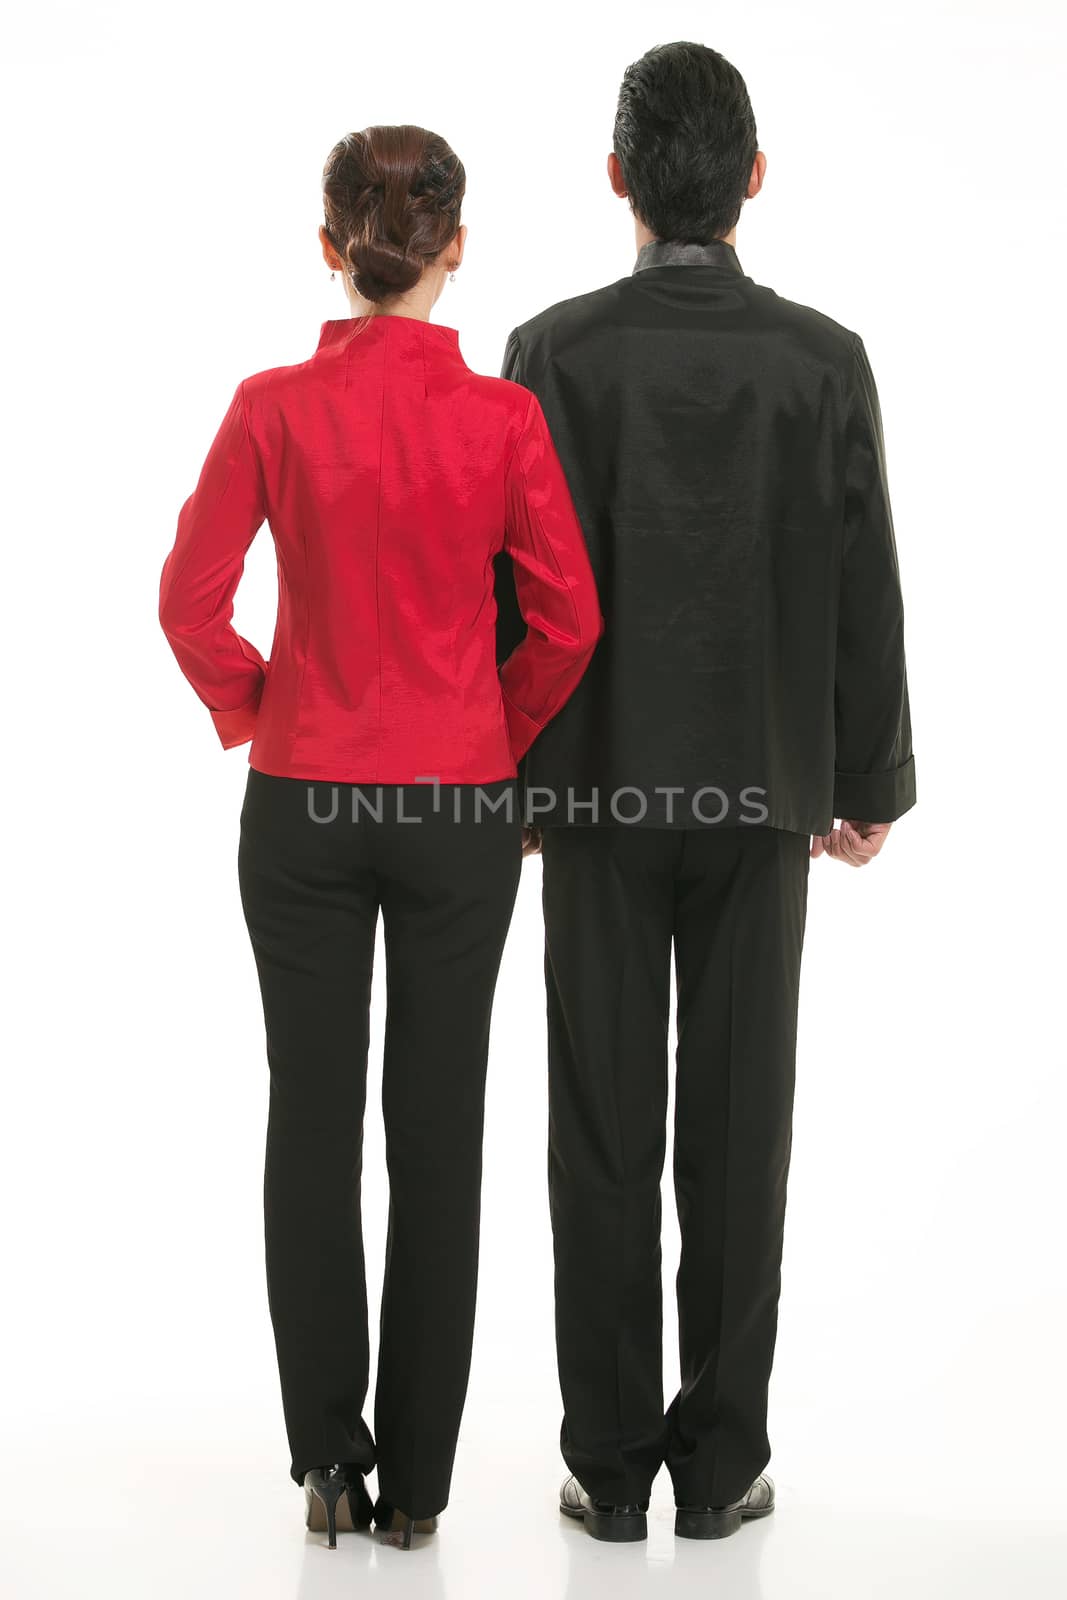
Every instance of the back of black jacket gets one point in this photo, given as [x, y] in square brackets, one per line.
[724, 449]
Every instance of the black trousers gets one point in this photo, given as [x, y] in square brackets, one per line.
[443, 871]
[733, 901]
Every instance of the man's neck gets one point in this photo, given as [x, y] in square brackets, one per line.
[644, 236]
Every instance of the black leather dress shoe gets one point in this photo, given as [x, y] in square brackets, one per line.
[716, 1522]
[620, 1524]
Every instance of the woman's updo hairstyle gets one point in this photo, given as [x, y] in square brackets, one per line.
[392, 197]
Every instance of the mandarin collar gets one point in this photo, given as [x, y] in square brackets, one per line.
[669, 253]
[403, 333]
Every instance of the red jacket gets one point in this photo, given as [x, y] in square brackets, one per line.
[391, 475]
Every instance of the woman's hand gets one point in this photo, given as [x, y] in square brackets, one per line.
[531, 841]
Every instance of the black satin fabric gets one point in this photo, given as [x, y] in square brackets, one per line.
[725, 453]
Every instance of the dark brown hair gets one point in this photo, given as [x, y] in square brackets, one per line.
[392, 197]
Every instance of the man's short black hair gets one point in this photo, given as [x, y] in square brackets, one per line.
[685, 137]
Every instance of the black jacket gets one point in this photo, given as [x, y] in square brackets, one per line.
[724, 450]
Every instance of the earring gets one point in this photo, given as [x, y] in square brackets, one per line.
[332, 276]
[452, 277]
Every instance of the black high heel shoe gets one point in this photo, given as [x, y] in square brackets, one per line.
[324, 1488]
[387, 1519]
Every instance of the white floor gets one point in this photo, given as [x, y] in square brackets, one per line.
[95, 1521]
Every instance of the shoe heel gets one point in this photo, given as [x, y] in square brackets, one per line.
[706, 1524]
[617, 1529]
[388, 1519]
[327, 1489]
[414, 1525]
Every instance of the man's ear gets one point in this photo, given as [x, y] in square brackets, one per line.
[755, 181]
[615, 177]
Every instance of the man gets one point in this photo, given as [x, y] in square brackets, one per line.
[724, 450]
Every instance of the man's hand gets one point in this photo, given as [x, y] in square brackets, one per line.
[854, 842]
[531, 841]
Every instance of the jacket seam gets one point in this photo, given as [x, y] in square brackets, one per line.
[520, 435]
[257, 463]
[850, 384]
[378, 549]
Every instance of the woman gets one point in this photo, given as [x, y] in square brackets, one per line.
[391, 476]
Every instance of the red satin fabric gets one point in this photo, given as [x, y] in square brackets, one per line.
[391, 475]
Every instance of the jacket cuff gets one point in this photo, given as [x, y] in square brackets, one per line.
[522, 730]
[875, 796]
[237, 726]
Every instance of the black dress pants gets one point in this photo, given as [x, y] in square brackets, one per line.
[443, 871]
[733, 902]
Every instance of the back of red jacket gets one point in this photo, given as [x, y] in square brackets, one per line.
[391, 476]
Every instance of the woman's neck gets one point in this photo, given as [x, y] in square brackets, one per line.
[416, 303]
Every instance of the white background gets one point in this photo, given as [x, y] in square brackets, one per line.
[161, 195]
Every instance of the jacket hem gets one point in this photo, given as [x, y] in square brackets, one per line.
[327, 772]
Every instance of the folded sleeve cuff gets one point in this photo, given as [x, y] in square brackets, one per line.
[875, 796]
[237, 726]
[522, 730]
